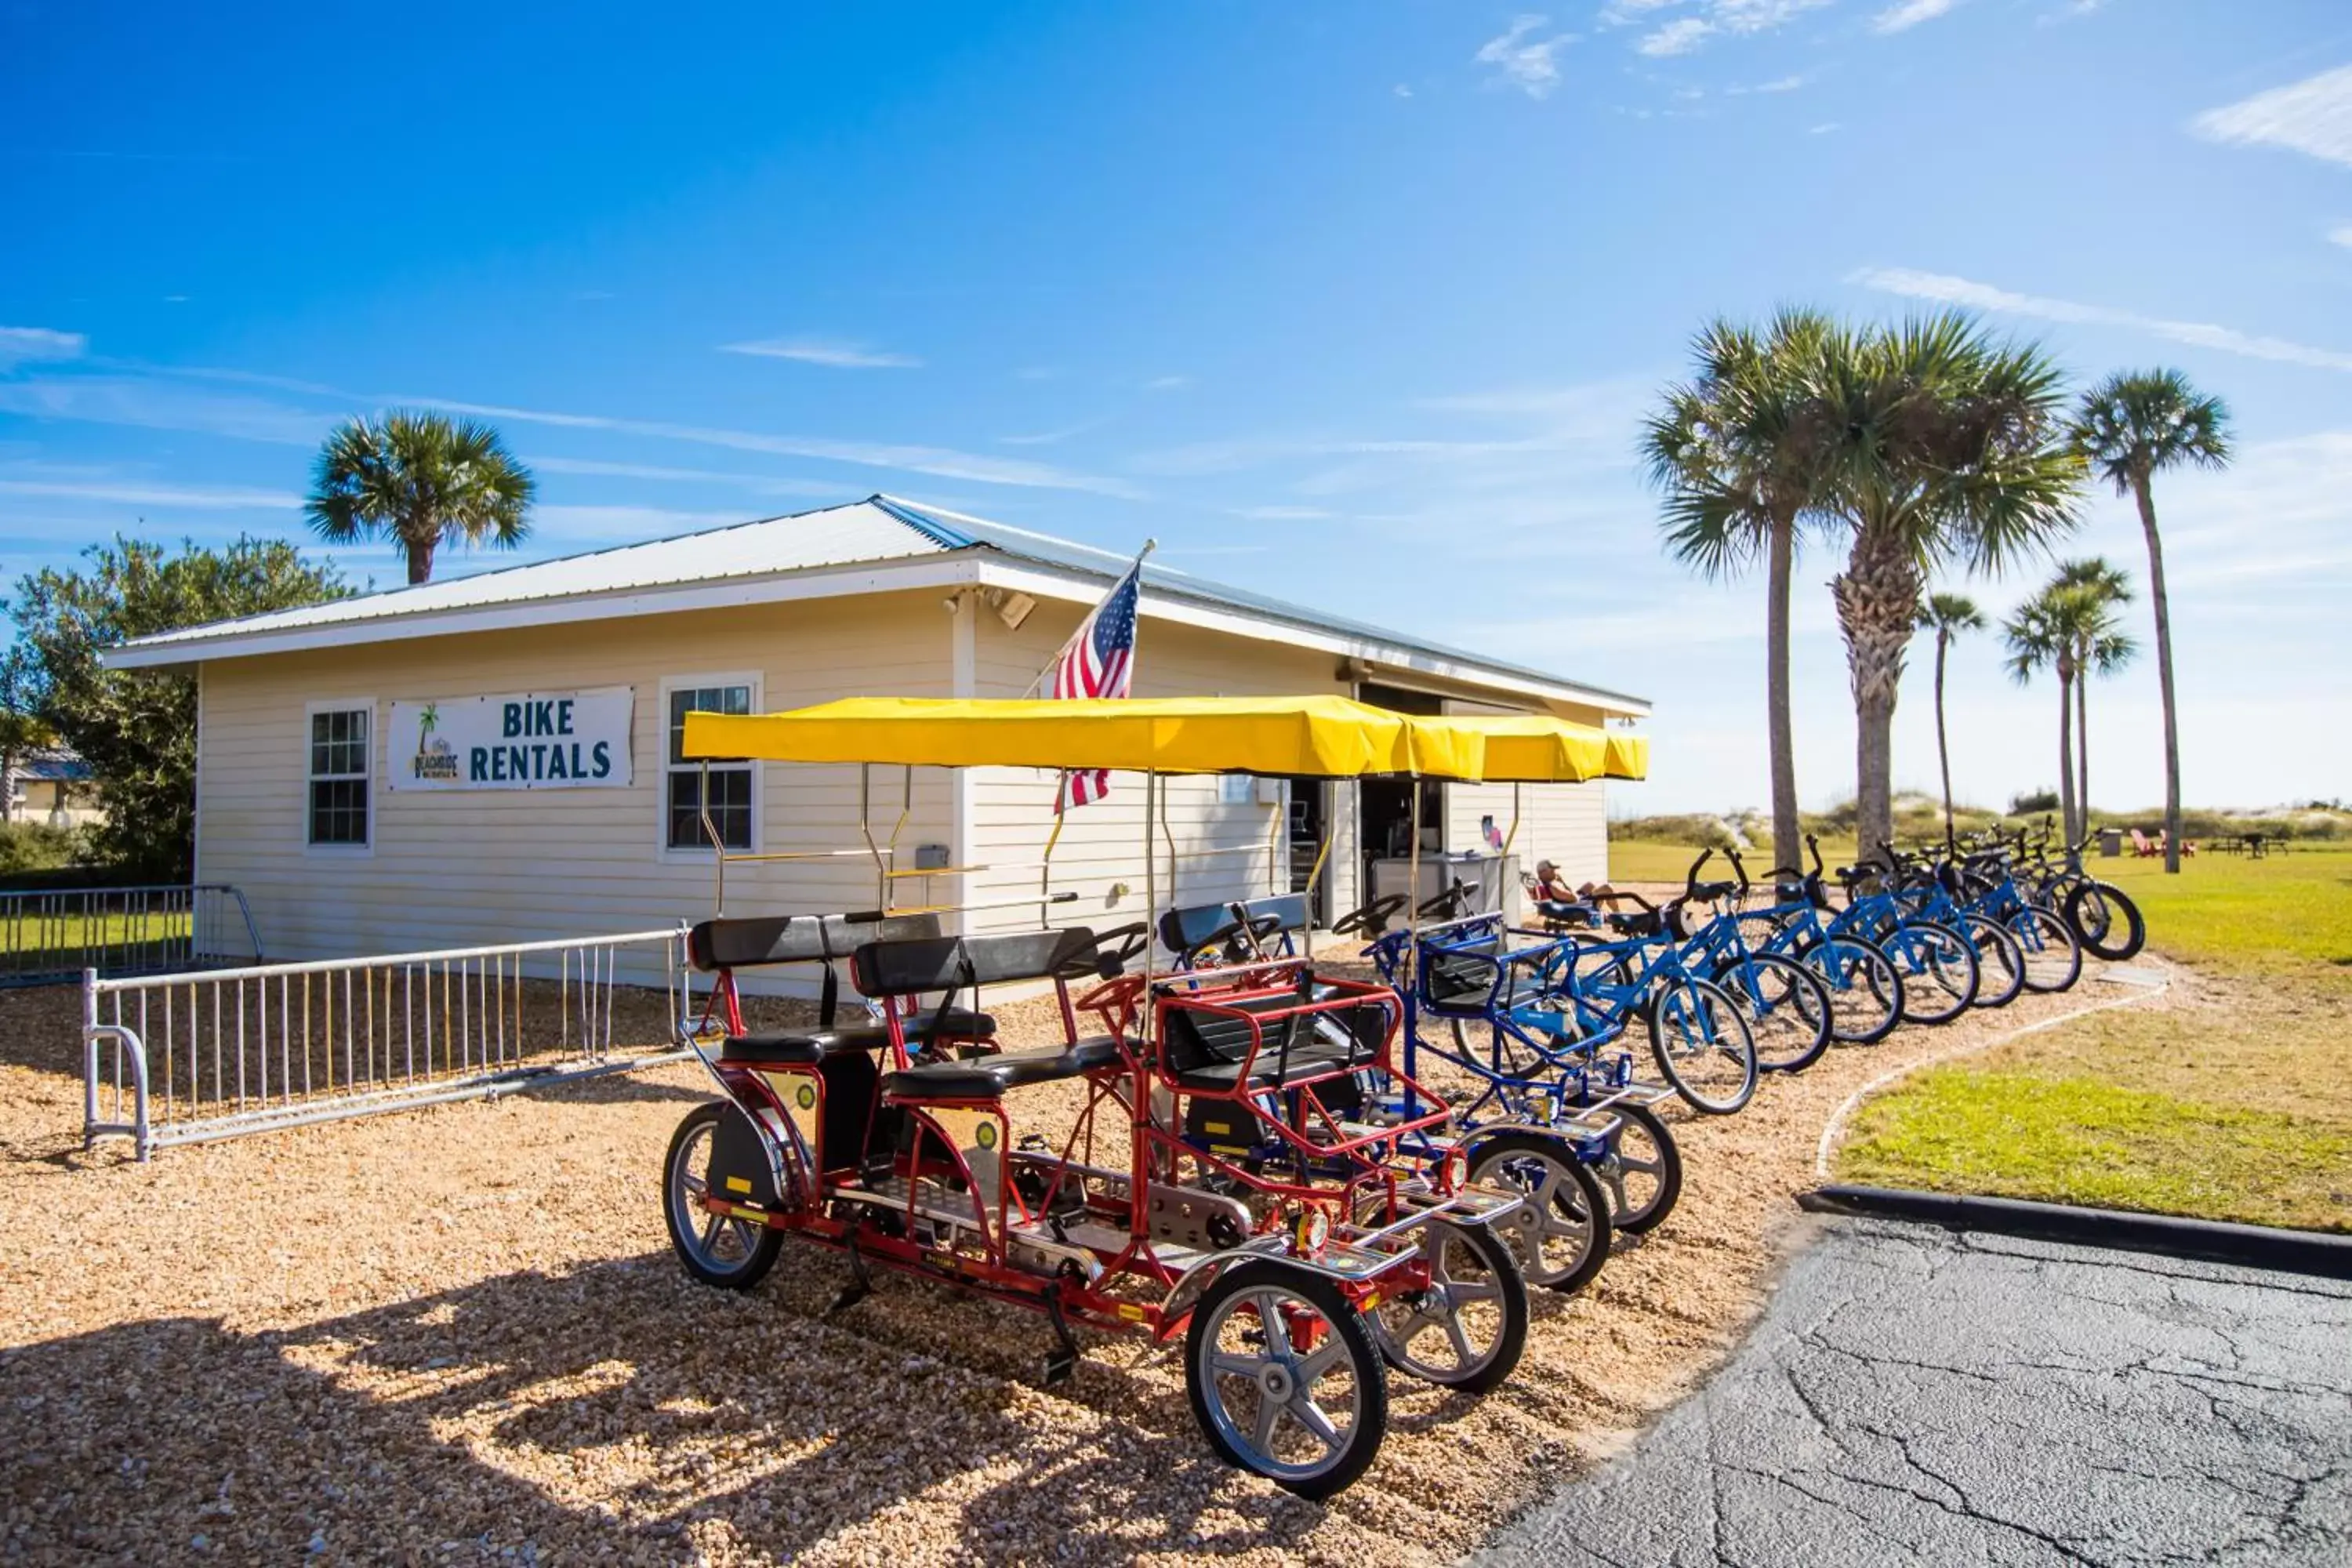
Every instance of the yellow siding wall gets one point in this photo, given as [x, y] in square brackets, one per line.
[459, 869]
[1100, 844]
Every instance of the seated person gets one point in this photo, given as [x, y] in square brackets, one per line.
[1554, 897]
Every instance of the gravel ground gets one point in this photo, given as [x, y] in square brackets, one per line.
[457, 1334]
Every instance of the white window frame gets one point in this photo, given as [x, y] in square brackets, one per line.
[310, 711]
[701, 854]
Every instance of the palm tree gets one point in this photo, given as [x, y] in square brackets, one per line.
[1948, 616]
[1738, 452]
[1947, 453]
[2037, 640]
[2104, 584]
[2131, 427]
[421, 481]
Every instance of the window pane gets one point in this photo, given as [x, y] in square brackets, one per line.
[339, 811]
[730, 808]
[339, 743]
[701, 700]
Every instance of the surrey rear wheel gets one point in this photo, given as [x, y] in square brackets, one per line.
[717, 1249]
[1466, 1328]
[1571, 1236]
[1285, 1378]
[1704, 1047]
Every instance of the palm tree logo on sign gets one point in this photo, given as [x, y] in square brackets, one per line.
[436, 760]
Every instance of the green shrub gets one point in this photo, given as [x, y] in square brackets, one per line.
[38, 846]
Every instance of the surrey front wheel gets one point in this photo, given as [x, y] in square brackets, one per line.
[1704, 1047]
[1643, 1172]
[1465, 1329]
[1571, 1236]
[1286, 1379]
[717, 1249]
[2106, 920]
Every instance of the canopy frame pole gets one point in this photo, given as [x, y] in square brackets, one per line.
[1412, 934]
[1315, 875]
[884, 855]
[717, 844]
[1168, 835]
[1046, 862]
[1277, 840]
[1150, 883]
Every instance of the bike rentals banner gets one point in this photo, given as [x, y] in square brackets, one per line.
[529, 740]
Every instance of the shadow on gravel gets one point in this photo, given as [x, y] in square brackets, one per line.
[621, 1412]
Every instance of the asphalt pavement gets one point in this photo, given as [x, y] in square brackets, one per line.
[1916, 1396]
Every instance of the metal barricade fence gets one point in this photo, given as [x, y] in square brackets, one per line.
[211, 1054]
[52, 936]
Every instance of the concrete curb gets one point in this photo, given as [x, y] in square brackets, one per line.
[2320, 1253]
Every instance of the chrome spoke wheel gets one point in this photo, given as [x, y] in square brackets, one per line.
[1465, 1328]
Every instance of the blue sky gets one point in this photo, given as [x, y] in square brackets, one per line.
[1358, 304]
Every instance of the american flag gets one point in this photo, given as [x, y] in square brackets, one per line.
[1098, 661]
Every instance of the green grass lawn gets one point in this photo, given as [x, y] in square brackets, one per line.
[37, 942]
[1641, 862]
[2231, 1099]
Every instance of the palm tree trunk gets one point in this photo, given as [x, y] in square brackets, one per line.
[2066, 753]
[8, 786]
[1877, 600]
[1943, 751]
[2163, 670]
[1787, 834]
[2083, 752]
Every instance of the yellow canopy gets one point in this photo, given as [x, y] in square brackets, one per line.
[1629, 755]
[1315, 737]
[1531, 747]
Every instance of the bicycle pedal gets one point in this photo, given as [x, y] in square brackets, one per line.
[1061, 1366]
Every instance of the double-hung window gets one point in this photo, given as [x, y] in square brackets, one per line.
[733, 805]
[341, 760]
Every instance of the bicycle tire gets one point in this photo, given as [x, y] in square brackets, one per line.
[1691, 1022]
[1801, 997]
[1865, 987]
[1939, 971]
[2053, 959]
[2092, 908]
[2001, 963]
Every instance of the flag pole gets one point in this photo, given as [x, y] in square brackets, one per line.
[1055, 662]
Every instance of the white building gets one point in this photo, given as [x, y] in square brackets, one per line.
[370, 773]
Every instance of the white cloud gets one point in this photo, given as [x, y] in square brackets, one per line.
[2341, 235]
[2313, 116]
[1281, 513]
[1050, 438]
[762, 483]
[1824, 128]
[202, 497]
[829, 352]
[1679, 36]
[1943, 288]
[1168, 383]
[1779, 84]
[1402, 91]
[941, 462]
[1523, 60]
[18, 344]
[1736, 18]
[154, 405]
[1621, 13]
[1908, 15]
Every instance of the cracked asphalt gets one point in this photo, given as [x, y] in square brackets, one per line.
[1915, 1396]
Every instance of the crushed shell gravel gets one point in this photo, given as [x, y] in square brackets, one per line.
[458, 1335]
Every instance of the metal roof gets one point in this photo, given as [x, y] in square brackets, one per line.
[878, 530]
